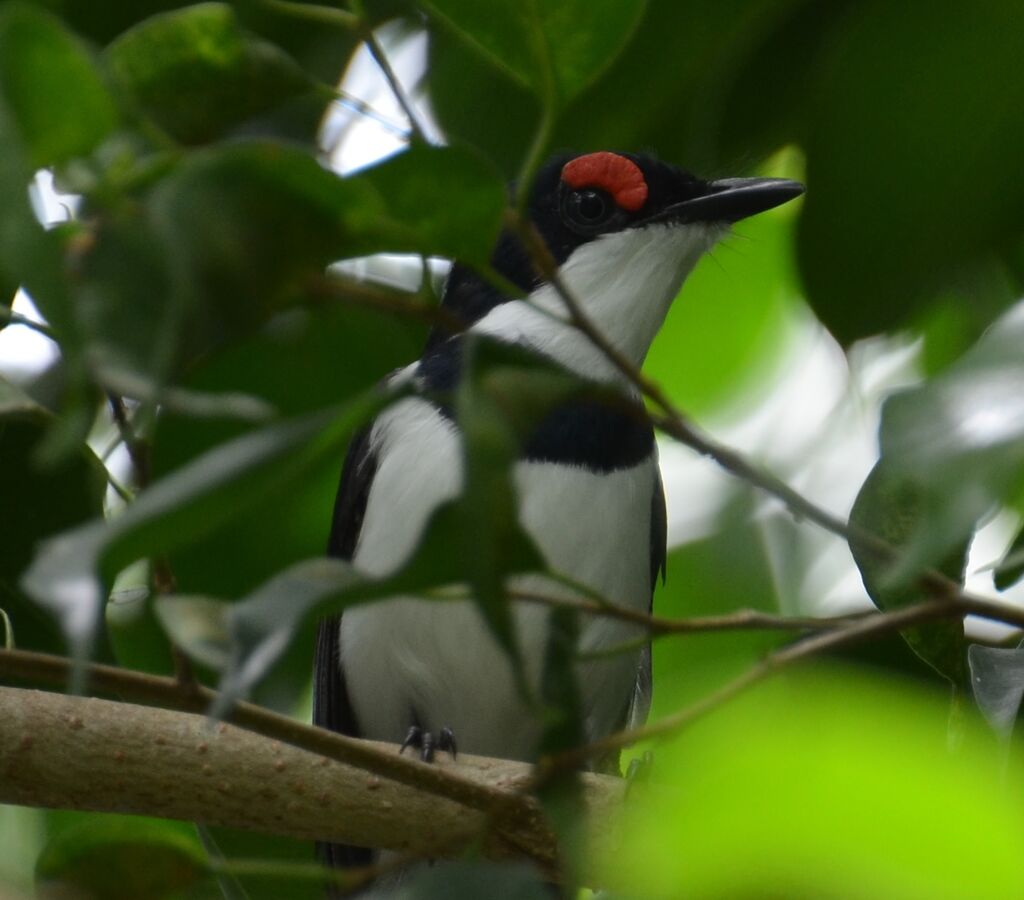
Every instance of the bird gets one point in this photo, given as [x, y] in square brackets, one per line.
[624, 230]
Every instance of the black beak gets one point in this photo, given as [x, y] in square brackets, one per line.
[732, 199]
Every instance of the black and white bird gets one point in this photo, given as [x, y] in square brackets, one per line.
[625, 231]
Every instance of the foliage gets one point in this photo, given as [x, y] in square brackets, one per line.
[192, 283]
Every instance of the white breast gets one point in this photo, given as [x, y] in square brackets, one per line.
[436, 661]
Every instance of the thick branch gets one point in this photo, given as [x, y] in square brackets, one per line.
[64, 752]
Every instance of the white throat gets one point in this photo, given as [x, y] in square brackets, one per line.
[625, 283]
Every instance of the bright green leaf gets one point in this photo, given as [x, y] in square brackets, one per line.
[197, 72]
[826, 784]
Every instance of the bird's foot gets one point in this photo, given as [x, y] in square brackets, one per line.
[427, 744]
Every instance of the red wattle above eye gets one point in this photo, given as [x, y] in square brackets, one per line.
[610, 172]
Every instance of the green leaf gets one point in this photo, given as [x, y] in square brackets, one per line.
[197, 626]
[118, 859]
[442, 201]
[263, 624]
[69, 571]
[198, 73]
[960, 438]
[893, 505]
[1011, 567]
[50, 87]
[747, 783]
[39, 501]
[555, 49]
[997, 681]
[246, 223]
[135, 635]
[908, 152]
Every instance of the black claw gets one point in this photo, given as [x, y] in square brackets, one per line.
[427, 748]
[413, 738]
[424, 741]
[446, 741]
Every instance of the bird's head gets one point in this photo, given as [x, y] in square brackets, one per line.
[625, 230]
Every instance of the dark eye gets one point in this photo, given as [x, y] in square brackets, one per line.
[587, 211]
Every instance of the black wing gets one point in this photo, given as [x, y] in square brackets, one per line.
[331, 706]
[641, 703]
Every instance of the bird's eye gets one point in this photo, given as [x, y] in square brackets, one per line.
[588, 211]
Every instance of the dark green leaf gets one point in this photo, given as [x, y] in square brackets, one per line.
[443, 201]
[247, 222]
[118, 859]
[40, 501]
[68, 572]
[1011, 567]
[197, 73]
[894, 505]
[50, 87]
[555, 49]
[997, 680]
[908, 158]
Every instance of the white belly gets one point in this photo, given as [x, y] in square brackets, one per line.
[435, 663]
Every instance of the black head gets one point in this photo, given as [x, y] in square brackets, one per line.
[577, 198]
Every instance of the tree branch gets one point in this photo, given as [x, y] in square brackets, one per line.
[64, 752]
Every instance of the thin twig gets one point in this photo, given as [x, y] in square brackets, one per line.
[336, 287]
[380, 57]
[10, 317]
[869, 626]
[740, 620]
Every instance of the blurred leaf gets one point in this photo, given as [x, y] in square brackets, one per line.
[263, 624]
[118, 859]
[747, 783]
[68, 572]
[39, 501]
[892, 504]
[247, 224]
[997, 679]
[197, 626]
[135, 634]
[960, 439]
[555, 49]
[443, 201]
[52, 91]
[197, 72]
[29, 255]
[890, 219]
[1011, 567]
